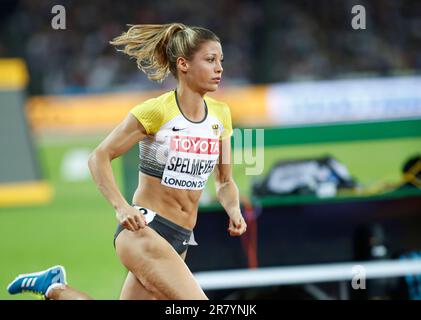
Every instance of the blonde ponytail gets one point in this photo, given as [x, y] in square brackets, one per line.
[157, 47]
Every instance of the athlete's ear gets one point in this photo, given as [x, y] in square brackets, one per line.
[182, 64]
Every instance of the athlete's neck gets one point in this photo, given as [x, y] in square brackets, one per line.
[191, 103]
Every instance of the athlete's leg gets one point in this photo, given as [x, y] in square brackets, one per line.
[156, 265]
[134, 290]
[64, 292]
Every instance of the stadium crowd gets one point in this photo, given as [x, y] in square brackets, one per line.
[263, 41]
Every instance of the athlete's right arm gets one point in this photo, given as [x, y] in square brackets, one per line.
[119, 141]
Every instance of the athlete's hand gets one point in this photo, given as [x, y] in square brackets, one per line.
[131, 218]
[237, 225]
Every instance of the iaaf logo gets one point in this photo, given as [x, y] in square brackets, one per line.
[195, 145]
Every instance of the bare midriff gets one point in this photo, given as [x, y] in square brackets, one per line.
[177, 205]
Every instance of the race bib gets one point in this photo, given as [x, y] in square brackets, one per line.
[190, 162]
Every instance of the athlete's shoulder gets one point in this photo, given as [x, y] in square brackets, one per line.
[215, 103]
[151, 112]
[218, 108]
[165, 98]
[221, 111]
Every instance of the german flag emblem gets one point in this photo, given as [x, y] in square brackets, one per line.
[215, 128]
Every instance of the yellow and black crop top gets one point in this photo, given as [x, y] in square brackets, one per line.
[181, 152]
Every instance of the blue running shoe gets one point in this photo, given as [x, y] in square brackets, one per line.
[38, 282]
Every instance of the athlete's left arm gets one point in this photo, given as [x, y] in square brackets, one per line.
[227, 191]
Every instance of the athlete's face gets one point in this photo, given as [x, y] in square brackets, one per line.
[204, 70]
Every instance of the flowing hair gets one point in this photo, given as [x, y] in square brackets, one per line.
[156, 47]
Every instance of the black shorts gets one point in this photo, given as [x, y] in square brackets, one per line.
[178, 237]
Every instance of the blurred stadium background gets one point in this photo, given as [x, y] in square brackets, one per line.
[296, 68]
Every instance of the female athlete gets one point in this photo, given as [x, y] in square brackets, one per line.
[183, 137]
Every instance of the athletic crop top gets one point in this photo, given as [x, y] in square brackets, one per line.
[181, 152]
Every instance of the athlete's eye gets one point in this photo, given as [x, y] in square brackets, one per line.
[211, 59]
